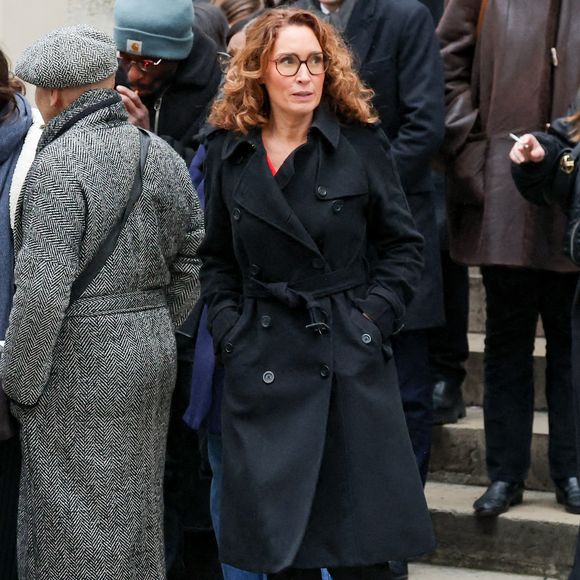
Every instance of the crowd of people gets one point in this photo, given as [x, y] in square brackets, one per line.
[235, 240]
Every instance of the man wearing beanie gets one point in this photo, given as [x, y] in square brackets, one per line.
[106, 237]
[170, 67]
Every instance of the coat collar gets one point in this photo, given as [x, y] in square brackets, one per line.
[339, 173]
[360, 29]
[104, 105]
[324, 121]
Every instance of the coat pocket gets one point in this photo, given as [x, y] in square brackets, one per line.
[231, 337]
[370, 331]
[467, 173]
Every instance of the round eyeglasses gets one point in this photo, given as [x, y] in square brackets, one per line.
[288, 65]
[144, 65]
[223, 59]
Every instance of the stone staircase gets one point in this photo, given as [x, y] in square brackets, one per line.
[536, 538]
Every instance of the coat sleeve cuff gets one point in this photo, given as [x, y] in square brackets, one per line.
[381, 311]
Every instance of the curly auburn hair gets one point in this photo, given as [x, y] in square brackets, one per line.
[9, 86]
[245, 104]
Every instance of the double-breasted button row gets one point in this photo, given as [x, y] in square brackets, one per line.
[269, 377]
[321, 191]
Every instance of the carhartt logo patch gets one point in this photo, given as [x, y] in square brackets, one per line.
[134, 46]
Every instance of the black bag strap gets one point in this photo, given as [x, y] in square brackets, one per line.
[108, 245]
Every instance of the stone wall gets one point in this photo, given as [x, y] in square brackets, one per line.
[23, 21]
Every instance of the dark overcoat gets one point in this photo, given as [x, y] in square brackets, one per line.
[397, 54]
[318, 466]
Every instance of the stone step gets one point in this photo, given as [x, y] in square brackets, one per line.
[473, 384]
[477, 304]
[535, 538]
[430, 572]
[458, 452]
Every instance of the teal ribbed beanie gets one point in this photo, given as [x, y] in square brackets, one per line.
[154, 28]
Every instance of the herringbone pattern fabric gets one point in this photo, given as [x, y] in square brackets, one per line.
[97, 377]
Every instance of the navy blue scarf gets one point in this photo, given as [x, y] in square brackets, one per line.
[12, 133]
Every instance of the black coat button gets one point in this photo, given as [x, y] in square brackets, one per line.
[268, 377]
[318, 263]
[324, 371]
[366, 338]
[321, 191]
[255, 269]
[337, 206]
[229, 347]
[266, 321]
[236, 213]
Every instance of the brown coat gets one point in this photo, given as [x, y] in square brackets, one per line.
[499, 82]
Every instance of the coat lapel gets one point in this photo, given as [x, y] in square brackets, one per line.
[360, 30]
[259, 194]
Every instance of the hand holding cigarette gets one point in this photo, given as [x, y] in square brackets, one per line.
[526, 149]
[138, 113]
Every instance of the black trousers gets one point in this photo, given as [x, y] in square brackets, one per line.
[9, 483]
[515, 299]
[448, 346]
[376, 572]
[411, 351]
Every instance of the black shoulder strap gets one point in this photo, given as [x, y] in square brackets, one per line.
[108, 245]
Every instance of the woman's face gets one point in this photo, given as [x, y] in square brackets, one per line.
[298, 95]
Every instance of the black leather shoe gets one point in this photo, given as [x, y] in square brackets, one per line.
[399, 569]
[498, 498]
[568, 494]
[448, 405]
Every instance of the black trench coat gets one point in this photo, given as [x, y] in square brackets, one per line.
[318, 466]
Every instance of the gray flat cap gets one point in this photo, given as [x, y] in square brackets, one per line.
[73, 56]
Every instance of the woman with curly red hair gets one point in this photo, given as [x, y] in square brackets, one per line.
[310, 258]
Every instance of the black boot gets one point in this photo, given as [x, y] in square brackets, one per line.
[498, 498]
[399, 569]
[568, 494]
[448, 405]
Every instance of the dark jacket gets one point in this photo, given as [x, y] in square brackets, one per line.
[178, 114]
[546, 184]
[397, 52]
[285, 280]
[493, 87]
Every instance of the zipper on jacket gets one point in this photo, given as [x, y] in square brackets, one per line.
[572, 238]
[157, 108]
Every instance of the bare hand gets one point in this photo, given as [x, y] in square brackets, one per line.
[527, 150]
[138, 112]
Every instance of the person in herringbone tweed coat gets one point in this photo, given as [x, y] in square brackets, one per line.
[91, 381]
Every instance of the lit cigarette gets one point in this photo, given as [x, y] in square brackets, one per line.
[518, 140]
